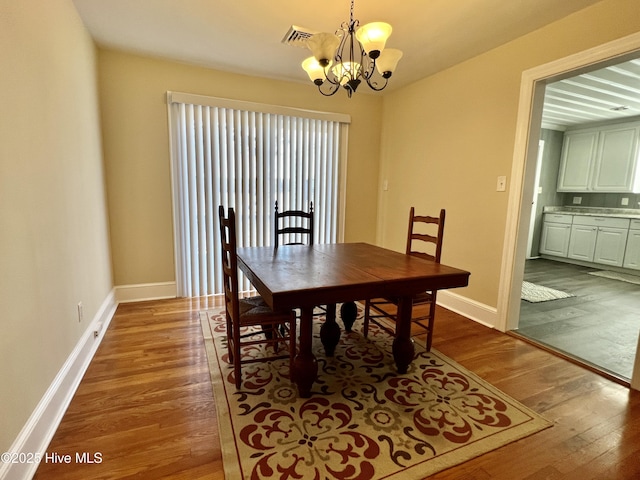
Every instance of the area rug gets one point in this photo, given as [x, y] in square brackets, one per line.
[623, 277]
[538, 293]
[363, 421]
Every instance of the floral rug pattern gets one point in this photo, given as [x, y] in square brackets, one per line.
[364, 421]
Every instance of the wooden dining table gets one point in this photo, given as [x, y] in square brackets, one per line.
[307, 276]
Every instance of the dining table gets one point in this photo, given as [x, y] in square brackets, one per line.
[306, 276]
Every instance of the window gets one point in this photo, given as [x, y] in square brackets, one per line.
[247, 156]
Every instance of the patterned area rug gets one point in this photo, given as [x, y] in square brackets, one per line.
[363, 421]
[622, 277]
[537, 293]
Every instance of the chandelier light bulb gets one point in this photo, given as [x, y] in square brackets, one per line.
[323, 46]
[314, 70]
[346, 71]
[373, 37]
[388, 61]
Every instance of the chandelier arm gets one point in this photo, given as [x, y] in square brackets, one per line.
[373, 85]
[332, 90]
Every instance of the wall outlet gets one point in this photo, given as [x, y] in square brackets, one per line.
[577, 200]
[624, 201]
[80, 312]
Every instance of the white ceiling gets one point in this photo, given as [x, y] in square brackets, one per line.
[608, 93]
[244, 36]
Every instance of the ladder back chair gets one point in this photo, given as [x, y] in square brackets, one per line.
[250, 321]
[295, 224]
[422, 245]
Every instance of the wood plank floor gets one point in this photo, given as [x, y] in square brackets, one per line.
[145, 404]
[599, 325]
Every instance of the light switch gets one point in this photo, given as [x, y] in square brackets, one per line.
[502, 183]
[577, 200]
[624, 201]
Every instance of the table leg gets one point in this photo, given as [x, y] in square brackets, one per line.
[330, 331]
[403, 350]
[305, 365]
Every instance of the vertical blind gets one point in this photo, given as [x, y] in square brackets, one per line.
[246, 156]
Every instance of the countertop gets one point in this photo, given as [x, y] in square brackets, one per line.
[632, 213]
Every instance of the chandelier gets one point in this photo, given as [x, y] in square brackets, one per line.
[339, 59]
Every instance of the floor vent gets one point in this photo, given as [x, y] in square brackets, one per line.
[297, 36]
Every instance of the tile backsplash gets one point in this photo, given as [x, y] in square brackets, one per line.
[604, 200]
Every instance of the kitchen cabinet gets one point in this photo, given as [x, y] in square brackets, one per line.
[593, 239]
[582, 245]
[598, 239]
[556, 231]
[603, 159]
[576, 164]
[632, 252]
[616, 160]
[610, 246]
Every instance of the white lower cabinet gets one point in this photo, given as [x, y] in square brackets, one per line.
[582, 245]
[592, 239]
[599, 239]
[632, 252]
[556, 231]
[610, 246]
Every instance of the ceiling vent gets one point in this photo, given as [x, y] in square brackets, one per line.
[297, 36]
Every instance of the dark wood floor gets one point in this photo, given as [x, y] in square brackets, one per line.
[599, 324]
[146, 405]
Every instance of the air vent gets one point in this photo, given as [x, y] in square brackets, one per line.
[297, 36]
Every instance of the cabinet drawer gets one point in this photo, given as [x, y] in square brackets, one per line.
[634, 225]
[601, 221]
[558, 218]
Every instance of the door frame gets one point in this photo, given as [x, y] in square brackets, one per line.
[523, 167]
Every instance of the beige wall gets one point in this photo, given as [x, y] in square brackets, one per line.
[54, 249]
[448, 137]
[136, 149]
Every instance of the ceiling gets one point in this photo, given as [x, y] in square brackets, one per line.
[608, 93]
[246, 37]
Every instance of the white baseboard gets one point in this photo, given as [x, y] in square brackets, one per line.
[479, 312]
[145, 291]
[35, 436]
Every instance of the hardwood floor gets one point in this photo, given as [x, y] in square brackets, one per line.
[145, 404]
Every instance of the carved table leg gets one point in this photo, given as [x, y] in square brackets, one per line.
[330, 331]
[403, 349]
[305, 365]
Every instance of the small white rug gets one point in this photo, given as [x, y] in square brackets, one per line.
[537, 293]
[623, 277]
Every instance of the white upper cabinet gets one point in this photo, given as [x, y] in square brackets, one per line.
[616, 160]
[601, 159]
[578, 156]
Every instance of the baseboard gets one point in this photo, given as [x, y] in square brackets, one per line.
[145, 291]
[35, 436]
[479, 312]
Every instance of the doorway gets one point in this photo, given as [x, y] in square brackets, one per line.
[524, 167]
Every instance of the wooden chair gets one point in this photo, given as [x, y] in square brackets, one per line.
[245, 314]
[417, 243]
[294, 223]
